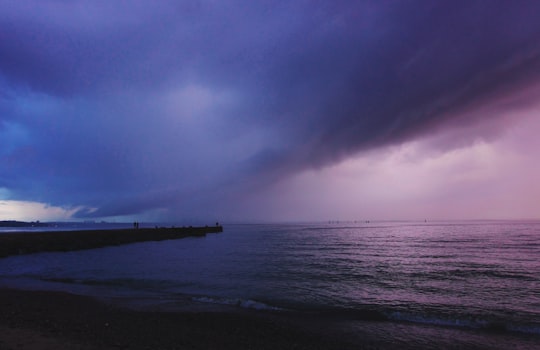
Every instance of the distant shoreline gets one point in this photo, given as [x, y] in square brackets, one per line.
[49, 241]
[15, 223]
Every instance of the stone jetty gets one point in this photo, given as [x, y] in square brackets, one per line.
[62, 241]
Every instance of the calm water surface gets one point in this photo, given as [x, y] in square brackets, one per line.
[476, 278]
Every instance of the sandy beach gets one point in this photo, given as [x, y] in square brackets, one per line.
[48, 320]
[53, 320]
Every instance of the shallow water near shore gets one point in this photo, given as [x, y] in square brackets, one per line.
[466, 284]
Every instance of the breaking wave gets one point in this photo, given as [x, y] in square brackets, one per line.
[241, 303]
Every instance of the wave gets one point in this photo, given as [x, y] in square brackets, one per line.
[383, 314]
[158, 285]
[464, 322]
[135, 284]
[465, 273]
[241, 303]
[370, 313]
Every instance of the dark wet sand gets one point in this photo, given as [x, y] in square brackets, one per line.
[58, 321]
[54, 320]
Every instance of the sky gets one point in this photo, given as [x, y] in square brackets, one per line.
[260, 111]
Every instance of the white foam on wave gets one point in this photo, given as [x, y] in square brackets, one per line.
[242, 303]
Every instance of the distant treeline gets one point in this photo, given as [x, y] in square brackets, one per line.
[14, 223]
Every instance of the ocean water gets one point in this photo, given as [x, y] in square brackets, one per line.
[466, 284]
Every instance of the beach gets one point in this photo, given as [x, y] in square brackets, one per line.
[46, 320]
[57, 320]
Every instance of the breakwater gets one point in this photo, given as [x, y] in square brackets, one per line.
[63, 241]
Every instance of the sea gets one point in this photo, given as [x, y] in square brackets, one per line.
[444, 284]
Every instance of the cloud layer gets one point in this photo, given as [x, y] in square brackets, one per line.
[168, 108]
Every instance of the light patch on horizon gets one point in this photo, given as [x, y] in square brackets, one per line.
[33, 211]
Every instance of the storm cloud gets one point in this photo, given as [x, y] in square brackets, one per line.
[168, 107]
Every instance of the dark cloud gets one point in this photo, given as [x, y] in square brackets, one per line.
[424, 66]
[146, 106]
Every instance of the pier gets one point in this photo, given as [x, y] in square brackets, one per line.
[63, 241]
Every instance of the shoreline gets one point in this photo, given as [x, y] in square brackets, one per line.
[61, 241]
[59, 320]
[38, 319]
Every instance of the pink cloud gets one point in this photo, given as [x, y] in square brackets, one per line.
[491, 178]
